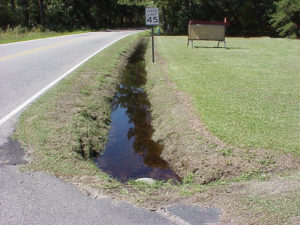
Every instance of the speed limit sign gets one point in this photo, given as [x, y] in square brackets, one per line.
[152, 16]
[152, 19]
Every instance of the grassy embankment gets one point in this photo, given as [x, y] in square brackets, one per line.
[248, 98]
[246, 95]
[69, 124]
[227, 113]
[22, 34]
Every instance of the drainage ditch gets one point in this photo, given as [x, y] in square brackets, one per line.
[130, 153]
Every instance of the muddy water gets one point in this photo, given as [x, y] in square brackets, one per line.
[130, 152]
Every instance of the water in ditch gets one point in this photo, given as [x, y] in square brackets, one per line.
[130, 152]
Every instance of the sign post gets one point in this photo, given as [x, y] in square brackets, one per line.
[152, 19]
[152, 31]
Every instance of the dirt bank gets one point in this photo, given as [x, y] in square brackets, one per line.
[193, 151]
[61, 132]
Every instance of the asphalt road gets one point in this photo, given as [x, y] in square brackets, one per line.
[27, 70]
[40, 199]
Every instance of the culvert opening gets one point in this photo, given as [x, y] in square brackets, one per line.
[130, 153]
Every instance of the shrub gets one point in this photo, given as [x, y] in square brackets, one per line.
[286, 19]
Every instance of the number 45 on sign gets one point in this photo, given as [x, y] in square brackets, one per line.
[152, 16]
[152, 19]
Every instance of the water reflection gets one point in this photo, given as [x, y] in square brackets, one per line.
[130, 151]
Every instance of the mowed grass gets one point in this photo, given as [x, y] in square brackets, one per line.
[248, 95]
[276, 209]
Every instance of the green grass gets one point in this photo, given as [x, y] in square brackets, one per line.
[277, 209]
[22, 34]
[69, 124]
[248, 94]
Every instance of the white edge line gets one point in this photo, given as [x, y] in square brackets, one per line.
[38, 94]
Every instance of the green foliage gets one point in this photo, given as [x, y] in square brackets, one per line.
[189, 179]
[69, 14]
[20, 33]
[137, 2]
[183, 18]
[286, 19]
[6, 13]
[249, 17]
[58, 14]
[226, 151]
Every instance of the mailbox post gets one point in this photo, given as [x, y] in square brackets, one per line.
[152, 19]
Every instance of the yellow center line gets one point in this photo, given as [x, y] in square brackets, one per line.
[38, 49]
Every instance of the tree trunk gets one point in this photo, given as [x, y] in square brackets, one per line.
[41, 12]
[164, 20]
[26, 13]
[13, 5]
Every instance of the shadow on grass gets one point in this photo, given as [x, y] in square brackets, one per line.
[228, 48]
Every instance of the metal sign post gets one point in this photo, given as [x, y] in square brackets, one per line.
[152, 44]
[152, 19]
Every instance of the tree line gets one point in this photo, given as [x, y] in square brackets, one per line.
[61, 15]
[247, 17]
